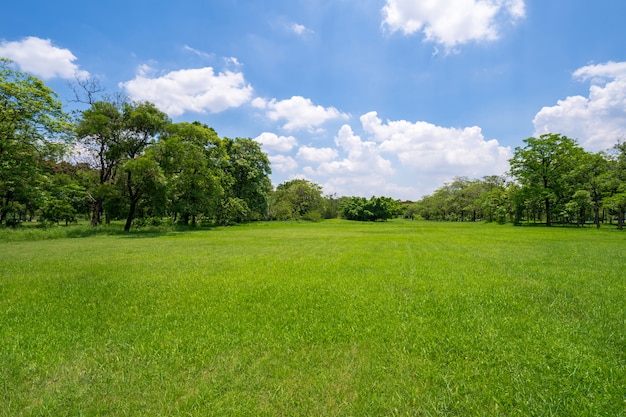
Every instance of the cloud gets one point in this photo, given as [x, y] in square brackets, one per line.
[403, 159]
[362, 163]
[40, 58]
[298, 112]
[310, 154]
[598, 120]
[299, 29]
[198, 52]
[271, 142]
[452, 22]
[427, 148]
[197, 90]
[283, 163]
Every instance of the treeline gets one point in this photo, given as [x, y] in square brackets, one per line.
[140, 167]
[136, 164]
[552, 180]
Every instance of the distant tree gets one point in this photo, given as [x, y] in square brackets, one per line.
[376, 208]
[616, 183]
[541, 166]
[298, 199]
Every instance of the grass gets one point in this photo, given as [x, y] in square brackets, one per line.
[332, 319]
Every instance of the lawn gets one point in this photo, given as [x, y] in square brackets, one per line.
[335, 318]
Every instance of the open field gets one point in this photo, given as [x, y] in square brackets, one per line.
[322, 319]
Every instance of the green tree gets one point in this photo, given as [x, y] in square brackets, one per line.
[99, 130]
[142, 123]
[189, 154]
[541, 166]
[117, 133]
[32, 126]
[298, 199]
[616, 183]
[245, 182]
[376, 208]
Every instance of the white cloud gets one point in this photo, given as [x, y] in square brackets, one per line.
[40, 58]
[198, 52]
[311, 154]
[197, 90]
[298, 112]
[452, 22]
[271, 142]
[598, 120]
[428, 148]
[299, 29]
[283, 163]
[403, 159]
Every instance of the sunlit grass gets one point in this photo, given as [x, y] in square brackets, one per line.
[332, 318]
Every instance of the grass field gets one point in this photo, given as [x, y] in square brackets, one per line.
[315, 319]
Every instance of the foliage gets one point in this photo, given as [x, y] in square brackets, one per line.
[32, 128]
[297, 199]
[543, 165]
[374, 209]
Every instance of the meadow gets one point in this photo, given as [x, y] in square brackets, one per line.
[338, 318]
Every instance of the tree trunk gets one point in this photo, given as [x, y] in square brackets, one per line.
[548, 213]
[97, 211]
[131, 214]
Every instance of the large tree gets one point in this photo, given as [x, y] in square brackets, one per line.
[542, 165]
[32, 122]
[117, 134]
[190, 155]
[246, 182]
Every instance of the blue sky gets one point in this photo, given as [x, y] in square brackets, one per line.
[368, 97]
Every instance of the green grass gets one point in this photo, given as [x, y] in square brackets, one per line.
[319, 319]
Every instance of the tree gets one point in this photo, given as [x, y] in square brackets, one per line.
[142, 123]
[298, 199]
[616, 183]
[376, 208]
[590, 175]
[189, 154]
[116, 133]
[246, 181]
[32, 126]
[99, 131]
[541, 167]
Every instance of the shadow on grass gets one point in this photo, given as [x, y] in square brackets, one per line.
[32, 232]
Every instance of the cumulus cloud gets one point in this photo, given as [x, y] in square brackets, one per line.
[197, 90]
[452, 22]
[311, 154]
[283, 163]
[404, 159]
[363, 158]
[271, 142]
[597, 120]
[298, 112]
[425, 147]
[41, 58]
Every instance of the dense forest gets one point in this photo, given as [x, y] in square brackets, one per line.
[138, 166]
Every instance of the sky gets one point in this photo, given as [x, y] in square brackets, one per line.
[363, 97]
